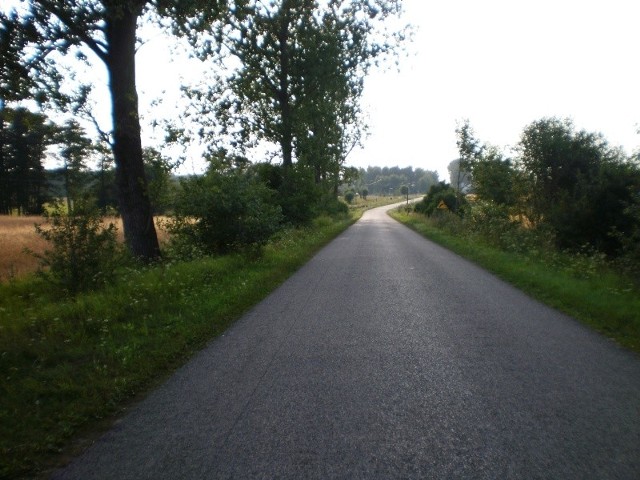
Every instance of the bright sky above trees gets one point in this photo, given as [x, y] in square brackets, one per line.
[504, 64]
[500, 63]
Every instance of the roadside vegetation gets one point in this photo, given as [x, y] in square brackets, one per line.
[93, 330]
[133, 268]
[69, 362]
[584, 286]
[560, 220]
[138, 267]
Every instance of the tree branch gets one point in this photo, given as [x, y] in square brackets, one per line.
[99, 48]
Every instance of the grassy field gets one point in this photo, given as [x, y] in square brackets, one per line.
[599, 297]
[18, 233]
[70, 366]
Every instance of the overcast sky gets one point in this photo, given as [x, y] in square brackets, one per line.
[503, 64]
[500, 63]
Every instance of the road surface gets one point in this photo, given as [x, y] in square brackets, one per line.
[385, 357]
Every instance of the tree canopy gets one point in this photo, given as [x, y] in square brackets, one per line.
[105, 30]
[24, 137]
[570, 182]
[577, 183]
[296, 76]
[287, 74]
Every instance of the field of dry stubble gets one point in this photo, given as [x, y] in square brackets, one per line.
[17, 234]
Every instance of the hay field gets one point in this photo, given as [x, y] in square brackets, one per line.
[18, 233]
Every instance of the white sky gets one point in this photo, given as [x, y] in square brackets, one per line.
[503, 64]
[500, 63]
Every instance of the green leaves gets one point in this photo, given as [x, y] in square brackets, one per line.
[83, 253]
[225, 211]
[578, 184]
[292, 76]
[24, 137]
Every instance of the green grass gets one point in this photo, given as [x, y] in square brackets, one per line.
[70, 365]
[604, 300]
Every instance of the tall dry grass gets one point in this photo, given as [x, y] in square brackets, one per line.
[18, 234]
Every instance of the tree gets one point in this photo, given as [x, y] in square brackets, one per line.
[298, 76]
[461, 179]
[75, 148]
[460, 170]
[426, 180]
[158, 172]
[14, 85]
[579, 185]
[469, 148]
[15, 82]
[482, 168]
[25, 139]
[379, 181]
[107, 29]
[494, 177]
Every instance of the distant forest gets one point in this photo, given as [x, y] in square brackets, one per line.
[389, 180]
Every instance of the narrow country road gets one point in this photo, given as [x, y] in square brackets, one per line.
[387, 357]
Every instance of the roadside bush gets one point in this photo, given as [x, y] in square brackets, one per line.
[496, 226]
[578, 184]
[629, 259]
[491, 224]
[349, 196]
[437, 193]
[84, 253]
[331, 206]
[449, 222]
[297, 194]
[222, 212]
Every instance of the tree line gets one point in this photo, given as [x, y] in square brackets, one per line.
[570, 184]
[390, 180]
[296, 81]
[84, 167]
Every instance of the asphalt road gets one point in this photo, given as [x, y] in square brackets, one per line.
[386, 357]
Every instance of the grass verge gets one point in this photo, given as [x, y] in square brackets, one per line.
[606, 301]
[68, 364]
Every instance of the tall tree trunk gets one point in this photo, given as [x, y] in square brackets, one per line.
[4, 184]
[135, 207]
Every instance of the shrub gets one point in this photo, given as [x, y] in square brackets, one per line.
[222, 212]
[629, 260]
[447, 221]
[297, 193]
[299, 196]
[84, 252]
[441, 192]
[331, 206]
[349, 196]
[578, 184]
